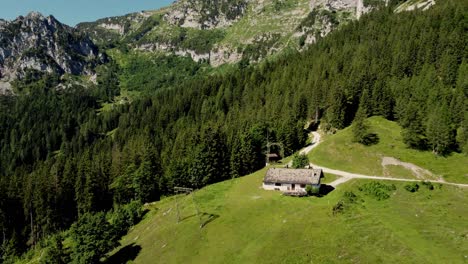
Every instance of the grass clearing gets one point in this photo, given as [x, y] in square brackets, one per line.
[328, 178]
[339, 152]
[245, 224]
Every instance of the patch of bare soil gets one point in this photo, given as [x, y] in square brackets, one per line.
[417, 171]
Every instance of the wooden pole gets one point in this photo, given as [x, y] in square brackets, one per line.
[177, 208]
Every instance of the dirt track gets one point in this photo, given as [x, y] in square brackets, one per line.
[346, 176]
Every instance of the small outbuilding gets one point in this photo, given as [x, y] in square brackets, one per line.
[273, 157]
[292, 180]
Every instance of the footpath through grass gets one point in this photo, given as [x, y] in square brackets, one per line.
[246, 224]
[339, 152]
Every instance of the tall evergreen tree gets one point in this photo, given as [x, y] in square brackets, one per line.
[93, 236]
[439, 131]
[414, 133]
[360, 128]
[146, 178]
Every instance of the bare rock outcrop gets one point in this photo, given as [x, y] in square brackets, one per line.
[43, 44]
[206, 14]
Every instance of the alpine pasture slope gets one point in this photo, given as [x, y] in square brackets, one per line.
[339, 152]
[242, 223]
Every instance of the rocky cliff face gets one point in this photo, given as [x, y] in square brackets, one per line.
[43, 44]
[415, 4]
[227, 31]
[206, 14]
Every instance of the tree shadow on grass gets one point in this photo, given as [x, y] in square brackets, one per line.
[143, 213]
[125, 254]
[208, 218]
[205, 218]
[187, 217]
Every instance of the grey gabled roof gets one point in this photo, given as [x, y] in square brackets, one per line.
[297, 176]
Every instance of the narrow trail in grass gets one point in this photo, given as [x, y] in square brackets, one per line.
[346, 176]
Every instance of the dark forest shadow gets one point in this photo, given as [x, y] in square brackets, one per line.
[313, 126]
[125, 254]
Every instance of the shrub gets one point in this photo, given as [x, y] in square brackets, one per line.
[312, 190]
[93, 237]
[125, 216]
[347, 201]
[338, 208]
[54, 253]
[428, 185]
[377, 190]
[300, 161]
[350, 197]
[412, 187]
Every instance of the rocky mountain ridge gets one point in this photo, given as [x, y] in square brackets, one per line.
[208, 14]
[35, 44]
[222, 31]
[212, 31]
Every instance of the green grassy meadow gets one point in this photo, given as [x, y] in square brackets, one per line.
[328, 178]
[246, 224]
[339, 152]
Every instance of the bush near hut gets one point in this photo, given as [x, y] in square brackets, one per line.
[412, 187]
[312, 190]
[428, 185]
[347, 201]
[300, 161]
[377, 190]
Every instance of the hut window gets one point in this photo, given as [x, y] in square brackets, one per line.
[302, 185]
[277, 184]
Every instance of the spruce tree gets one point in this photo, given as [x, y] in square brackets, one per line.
[360, 128]
[413, 133]
[93, 236]
[462, 135]
[439, 132]
[55, 253]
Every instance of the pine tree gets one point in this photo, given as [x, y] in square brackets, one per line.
[335, 115]
[414, 132]
[146, 178]
[439, 132]
[54, 252]
[93, 236]
[360, 128]
[462, 135]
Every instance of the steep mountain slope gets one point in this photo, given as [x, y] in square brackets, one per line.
[60, 157]
[35, 43]
[245, 224]
[221, 31]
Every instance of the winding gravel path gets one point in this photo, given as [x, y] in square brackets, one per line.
[346, 176]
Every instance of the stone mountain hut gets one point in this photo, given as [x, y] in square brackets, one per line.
[291, 180]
